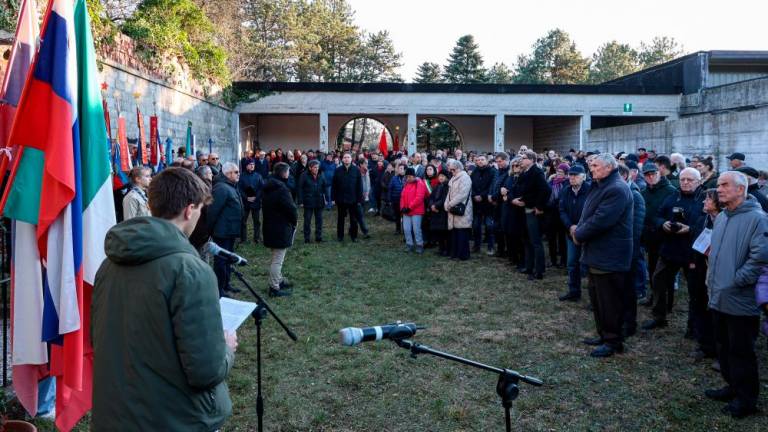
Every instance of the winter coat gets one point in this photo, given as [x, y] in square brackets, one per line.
[438, 221]
[250, 186]
[754, 190]
[159, 356]
[678, 247]
[459, 189]
[262, 167]
[498, 200]
[311, 190]
[638, 219]
[366, 185]
[512, 216]
[654, 197]
[533, 188]
[413, 197]
[571, 204]
[605, 227]
[761, 296]
[386, 177]
[396, 189]
[328, 169]
[737, 256]
[225, 214]
[347, 187]
[280, 215]
[711, 183]
[483, 180]
[135, 204]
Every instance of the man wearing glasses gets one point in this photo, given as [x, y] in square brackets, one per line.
[225, 218]
[213, 162]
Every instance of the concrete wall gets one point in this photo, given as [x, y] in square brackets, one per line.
[556, 133]
[518, 131]
[747, 94]
[708, 134]
[174, 108]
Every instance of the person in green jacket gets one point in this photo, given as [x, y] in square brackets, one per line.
[160, 355]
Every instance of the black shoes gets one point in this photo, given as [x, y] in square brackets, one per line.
[647, 301]
[279, 292]
[654, 324]
[284, 284]
[319, 240]
[724, 394]
[524, 271]
[595, 341]
[535, 276]
[571, 297]
[738, 409]
[606, 350]
[366, 236]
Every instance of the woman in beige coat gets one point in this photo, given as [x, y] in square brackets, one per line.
[459, 227]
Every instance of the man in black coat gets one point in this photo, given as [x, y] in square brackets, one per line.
[572, 199]
[311, 188]
[280, 219]
[483, 178]
[347, 192]
[262, 164]
[534, 194]
[250, 186]
[605, 233]
[225, 218]
[754, 189]
[502, 165]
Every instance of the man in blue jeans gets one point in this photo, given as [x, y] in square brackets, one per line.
[571, 205]
[534, 192]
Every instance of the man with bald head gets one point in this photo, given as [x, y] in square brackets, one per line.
[738, 252]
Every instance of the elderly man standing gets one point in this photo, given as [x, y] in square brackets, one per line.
[571, 206]
[605, 233]
[225, 218]
[738, 252]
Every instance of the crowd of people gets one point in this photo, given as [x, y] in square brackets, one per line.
[631, 223]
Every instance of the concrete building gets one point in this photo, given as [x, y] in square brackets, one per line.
[642, 106]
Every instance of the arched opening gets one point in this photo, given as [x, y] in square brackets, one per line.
[362, 133]
[434, 133]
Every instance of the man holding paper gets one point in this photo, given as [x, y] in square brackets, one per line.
[160, 354]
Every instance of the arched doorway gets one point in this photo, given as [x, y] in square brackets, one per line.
[362, 133]
[435, 133]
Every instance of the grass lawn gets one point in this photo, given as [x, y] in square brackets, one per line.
[479, 309]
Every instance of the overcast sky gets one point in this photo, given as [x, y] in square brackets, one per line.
[427, 30]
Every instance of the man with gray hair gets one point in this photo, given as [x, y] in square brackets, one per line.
[224, 217]
[738, 253]
[605, 233]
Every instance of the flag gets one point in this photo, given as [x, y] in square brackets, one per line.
[396, 144]
[119, 178]
[154, 155]
[142, 155]
[122, 151]
[383, 142]
[210, 145]
[188, 148]
[22, 53]
[168, 151]
[75, 371]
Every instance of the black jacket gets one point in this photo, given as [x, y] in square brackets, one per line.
[754, 190]
[654, 197]
[347, 187]
[533, 188]
[605, 228]
[262, 167]
[678, 247]
[496, 192]
[225, 214]
[483, 180]
[512, 217]
[438, 221]
[571, 204]
[250, 185]
[310, 191]
[280, 215]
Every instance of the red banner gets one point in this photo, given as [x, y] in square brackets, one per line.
[122, 141]
[142, 140]
[106, 118]
[153, 144]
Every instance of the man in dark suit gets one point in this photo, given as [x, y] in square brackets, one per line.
[225, 217]
[534, 194]
[347, 192]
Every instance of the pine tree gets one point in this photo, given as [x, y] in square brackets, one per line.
[554, 60]
[613, 60]
[465, 64]
[660, 50]
[499, 73]
[428, 73]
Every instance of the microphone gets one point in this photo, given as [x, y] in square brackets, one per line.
[352, 336]
[231, 257]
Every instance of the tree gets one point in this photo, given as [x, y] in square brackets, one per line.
[499, 73]
[428, 73]
[9, 10]
[377, 60]
[554, 60]
[465, 64]
[613, 60]
[118, 11]
[661, 49]
[266, 41]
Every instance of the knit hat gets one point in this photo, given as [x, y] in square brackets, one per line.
[564, 167]
[410, 172]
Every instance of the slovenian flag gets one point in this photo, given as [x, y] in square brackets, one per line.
[61, 134]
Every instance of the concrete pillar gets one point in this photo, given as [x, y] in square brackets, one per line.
[584, 125]
[324, 131]
[236, 140]
[411, 133]
[498, 134]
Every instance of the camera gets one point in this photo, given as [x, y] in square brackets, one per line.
[678, 217]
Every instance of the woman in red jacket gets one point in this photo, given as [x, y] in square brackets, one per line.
[412, 208]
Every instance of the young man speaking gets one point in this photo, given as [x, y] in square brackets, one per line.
[160, 354]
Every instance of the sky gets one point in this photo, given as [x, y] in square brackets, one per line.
[427, 30]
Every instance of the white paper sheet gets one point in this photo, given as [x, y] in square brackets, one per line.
[234, 312]
[701, 245]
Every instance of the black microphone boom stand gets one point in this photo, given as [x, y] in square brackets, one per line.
[506, 387]
[262, 308]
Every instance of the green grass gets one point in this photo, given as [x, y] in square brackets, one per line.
[479, 309]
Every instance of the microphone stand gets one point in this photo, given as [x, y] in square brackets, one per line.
[506, 387]
[262, 308]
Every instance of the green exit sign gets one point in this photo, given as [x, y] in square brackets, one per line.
[627, 109]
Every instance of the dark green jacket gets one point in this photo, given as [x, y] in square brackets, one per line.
[654, 197]
[160, 359]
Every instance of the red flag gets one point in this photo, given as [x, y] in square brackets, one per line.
[122, 141]
[142, 140]
[153, 144]
[383, 142]
[396, 144]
